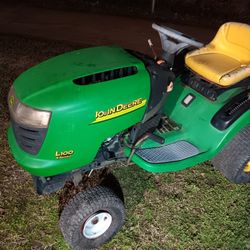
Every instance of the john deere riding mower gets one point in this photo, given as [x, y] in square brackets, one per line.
[80, 111]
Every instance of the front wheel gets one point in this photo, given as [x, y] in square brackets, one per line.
[92, 218]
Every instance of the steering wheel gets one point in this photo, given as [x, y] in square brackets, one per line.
[178, 40]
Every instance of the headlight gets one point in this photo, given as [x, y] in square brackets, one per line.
[25, 115]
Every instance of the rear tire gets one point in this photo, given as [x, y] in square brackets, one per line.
[234, 157]
[92, 218]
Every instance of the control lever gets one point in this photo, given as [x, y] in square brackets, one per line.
[151, 46]
[156, 138]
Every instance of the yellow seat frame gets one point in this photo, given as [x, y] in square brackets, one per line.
[226, 59]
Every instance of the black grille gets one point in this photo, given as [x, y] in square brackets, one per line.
[209, 90]
[106, 76]
[28, 138]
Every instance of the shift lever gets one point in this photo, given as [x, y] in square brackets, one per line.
[151, 45]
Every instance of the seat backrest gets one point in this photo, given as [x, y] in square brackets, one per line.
[233, 39]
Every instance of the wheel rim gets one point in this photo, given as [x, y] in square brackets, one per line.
[96, 225]
[247, 167]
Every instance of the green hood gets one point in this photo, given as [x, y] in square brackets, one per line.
[54, 77]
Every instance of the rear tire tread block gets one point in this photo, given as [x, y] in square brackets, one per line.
[234, 157]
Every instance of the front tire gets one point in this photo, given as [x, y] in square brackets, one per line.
[92, 218]
[233, 161]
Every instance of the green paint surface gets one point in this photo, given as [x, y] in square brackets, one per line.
[49, 86]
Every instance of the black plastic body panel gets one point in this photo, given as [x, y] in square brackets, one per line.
[144, 127]
[48, 185]
[230, 112]
[160, 78]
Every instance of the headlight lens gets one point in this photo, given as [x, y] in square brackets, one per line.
[25, 115]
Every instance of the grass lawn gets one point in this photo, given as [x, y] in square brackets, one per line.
[192, 209]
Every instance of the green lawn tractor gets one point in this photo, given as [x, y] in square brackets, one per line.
[77, 113]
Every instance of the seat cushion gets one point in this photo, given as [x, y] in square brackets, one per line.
[213, 66]
[226, 60]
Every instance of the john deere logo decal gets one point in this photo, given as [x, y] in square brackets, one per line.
[119, 110]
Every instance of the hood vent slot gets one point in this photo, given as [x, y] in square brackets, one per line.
[106, 76]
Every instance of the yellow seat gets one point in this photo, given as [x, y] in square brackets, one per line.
[226, 60]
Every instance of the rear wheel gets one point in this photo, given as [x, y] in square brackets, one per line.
[92, 218]
[234, 159]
